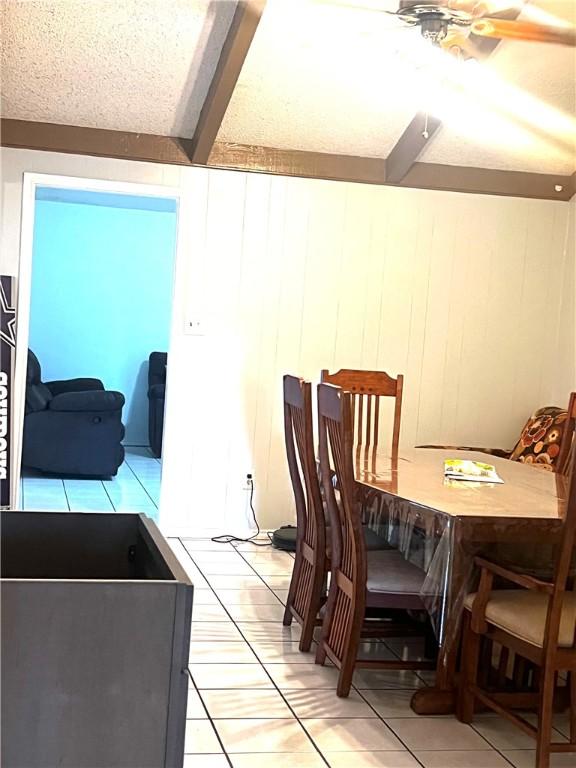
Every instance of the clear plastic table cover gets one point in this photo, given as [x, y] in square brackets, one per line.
[443, 543]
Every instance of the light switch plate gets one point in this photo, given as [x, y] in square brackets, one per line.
[194, 326]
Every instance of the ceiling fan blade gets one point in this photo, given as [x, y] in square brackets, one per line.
[523, 30]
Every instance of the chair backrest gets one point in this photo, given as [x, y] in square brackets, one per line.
[37, 394]
[563, 574]
[568, 444]
[366, 388]
[157, 362]
[299, 437]
[336, 457]
[33, 370]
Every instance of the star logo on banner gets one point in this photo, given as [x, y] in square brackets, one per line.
[7, 319]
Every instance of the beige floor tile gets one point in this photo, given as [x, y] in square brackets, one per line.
[210, 557]
[245, 612]
[526, 758]
[454, 759]
[247, 703]
[371, 760]
[268, 556]
[562, 724]
[263, 736]
[194, 709]
[282, 652]
[278, 582]
[205, 597]
[247, 597]
[184, 559]
[215, 631]
[205, 545]
[282, 595]
[272, 631]
[428, 676]
[236, 566]
[274, 567]
[409, 649]
[325, 704]
[373, 649]
[201, 738]
[352, 735]
[309, 676]
[221, 653]
[208, 613]
[229, 676]
[390, 703]
[428, 733]
[205, 761]
[244, 581]
[372, 679]
[279, 760]
[505, 735]
[249, 546]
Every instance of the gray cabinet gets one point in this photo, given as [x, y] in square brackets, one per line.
[96, 614]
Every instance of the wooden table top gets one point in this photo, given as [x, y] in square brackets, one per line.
[418, 477]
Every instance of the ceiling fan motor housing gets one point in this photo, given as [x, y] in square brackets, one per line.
[434, 19]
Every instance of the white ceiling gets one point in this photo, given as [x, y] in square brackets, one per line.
[318, 77]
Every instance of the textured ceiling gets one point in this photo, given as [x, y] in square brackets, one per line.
[131, 65]
[319, 77]
[332, 78]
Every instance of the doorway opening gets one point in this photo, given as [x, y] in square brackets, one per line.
[100, 303]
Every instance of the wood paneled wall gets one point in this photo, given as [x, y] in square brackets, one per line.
[464, 295]
[470, 297]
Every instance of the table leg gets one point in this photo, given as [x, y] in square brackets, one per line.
[440, 698]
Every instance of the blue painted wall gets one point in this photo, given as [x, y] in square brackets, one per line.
[102, 279]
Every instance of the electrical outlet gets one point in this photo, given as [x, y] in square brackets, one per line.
[248, 482]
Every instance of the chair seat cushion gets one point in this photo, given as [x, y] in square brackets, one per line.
[373, 541]
[522, 613]
[389, 572]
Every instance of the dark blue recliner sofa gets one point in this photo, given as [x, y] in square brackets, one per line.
[71, 427]
[156, 396]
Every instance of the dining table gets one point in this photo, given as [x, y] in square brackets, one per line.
[440, 525]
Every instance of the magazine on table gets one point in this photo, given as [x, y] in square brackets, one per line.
[471, 471]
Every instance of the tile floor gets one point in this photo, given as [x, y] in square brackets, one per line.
[136, 488]
[255, 701]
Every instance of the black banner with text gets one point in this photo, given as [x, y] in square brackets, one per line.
[7, 353]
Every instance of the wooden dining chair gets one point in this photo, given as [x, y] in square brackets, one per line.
[367, 388]
[307, 586]
[307, 590]
[536, 622]
[568, 443]
[360, 580]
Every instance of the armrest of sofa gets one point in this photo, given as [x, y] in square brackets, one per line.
[95, 400]
[157, 391]
[74, 385]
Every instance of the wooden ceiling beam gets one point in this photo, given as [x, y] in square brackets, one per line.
[234, 51]
[410, 145]
[370, 170]
[294, 162]
[489, 181]
[422, 127]
[77, 140]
